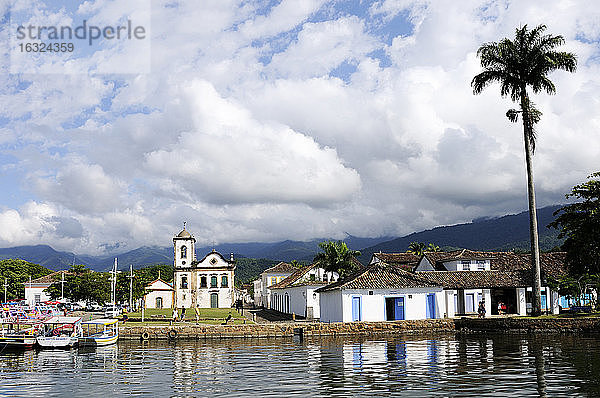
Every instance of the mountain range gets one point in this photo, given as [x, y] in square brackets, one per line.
[509, 232]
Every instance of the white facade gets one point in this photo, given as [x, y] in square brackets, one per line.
[35, 293]
[208, 283]
[340, 305]
[257, 292]
[159, 295]
[297, 293]
[268, 278]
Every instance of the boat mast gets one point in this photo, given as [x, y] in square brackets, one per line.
[130, 286]
[113, 283]
[5, 286]
[62, 286]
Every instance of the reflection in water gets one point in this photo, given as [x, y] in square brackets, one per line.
[409, 366]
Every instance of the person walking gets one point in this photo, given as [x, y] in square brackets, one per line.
[182, 313]
[175, 314]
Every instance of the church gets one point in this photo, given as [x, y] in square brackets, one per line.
[208, 283]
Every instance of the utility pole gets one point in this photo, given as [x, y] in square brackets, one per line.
[130, 276]
[62, 286]
[5, 286]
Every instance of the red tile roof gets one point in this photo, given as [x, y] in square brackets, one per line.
[281, 268]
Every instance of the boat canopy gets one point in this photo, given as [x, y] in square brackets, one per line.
[101, 321]
[63, 319]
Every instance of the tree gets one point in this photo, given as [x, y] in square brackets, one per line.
[432, 247]
[417, 248]
[17, 273]
[337, 257]
[82, 284]
[579, 223]
[517, 65]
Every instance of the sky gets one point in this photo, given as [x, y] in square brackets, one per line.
[259, 121]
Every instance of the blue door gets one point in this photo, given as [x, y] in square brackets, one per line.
[399, 308]
[544, 308]
[430, 306]
[356, 309]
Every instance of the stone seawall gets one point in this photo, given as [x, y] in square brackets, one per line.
[460, 325]
[528, 325]
[192, 331]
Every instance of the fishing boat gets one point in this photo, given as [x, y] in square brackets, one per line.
[17, 334]
[99, 332]
[60, 332]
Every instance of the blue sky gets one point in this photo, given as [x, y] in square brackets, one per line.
[271, 120]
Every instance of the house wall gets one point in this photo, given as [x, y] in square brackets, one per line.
[36, 289]
[301, 298]
[373, 306]
[331, 306]
[269, 279]
[150, 298]
[257, 292]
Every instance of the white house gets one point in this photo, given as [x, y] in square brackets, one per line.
[159, 294]
[35, 291]
[494, 278]
[297, 294]
[271, 276]
[205, 283]
[257, 285]
[381, 292]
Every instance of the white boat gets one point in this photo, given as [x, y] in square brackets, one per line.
[60, 332]
[99, 332]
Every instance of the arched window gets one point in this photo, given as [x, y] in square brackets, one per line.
[224, 281]
[213, 281]
[183, 251]
[159, 302]
[184, 282]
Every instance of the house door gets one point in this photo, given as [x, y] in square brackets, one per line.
[430, 306]
[214, 300]
[159, 302]
[544, 302]
[399, 308]
[356, 309]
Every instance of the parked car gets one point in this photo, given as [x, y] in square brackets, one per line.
[93, 306]
[112, 311]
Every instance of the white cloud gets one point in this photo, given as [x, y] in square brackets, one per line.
[241, 128]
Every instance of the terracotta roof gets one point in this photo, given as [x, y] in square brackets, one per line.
[281, 268]
[50, 278]
[294, 279]
[148, 286]
[397, 258]
[553, 264]
[381, 276]
[478, 279]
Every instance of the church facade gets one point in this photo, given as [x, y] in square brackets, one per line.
[207, 283]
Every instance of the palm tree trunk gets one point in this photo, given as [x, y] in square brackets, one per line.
[536, 309]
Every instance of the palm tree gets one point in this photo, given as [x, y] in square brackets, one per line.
[516, 65]
[417, 248]
[432, 247]
[336, 257]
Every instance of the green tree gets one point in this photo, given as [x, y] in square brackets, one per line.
[142, 277]
[82, 284]
[17, 273]
[337, 257]
[579, 224]
[417, 248]
[432, 247]
[517, 65]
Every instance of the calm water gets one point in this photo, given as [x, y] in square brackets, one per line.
[471, 366]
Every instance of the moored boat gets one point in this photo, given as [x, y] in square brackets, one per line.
[60, 332]
[99, 332]
[17, 335]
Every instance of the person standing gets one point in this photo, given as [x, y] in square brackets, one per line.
[182, 313]
[197, 310]
[481, 310]
[175, 314]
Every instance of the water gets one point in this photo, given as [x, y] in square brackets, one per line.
[471, 366]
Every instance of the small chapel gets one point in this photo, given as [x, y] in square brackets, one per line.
[207, 283]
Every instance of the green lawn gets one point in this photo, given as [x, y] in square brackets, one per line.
[190, 314]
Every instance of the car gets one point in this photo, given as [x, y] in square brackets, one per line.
[93, 306]
[112, 311]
